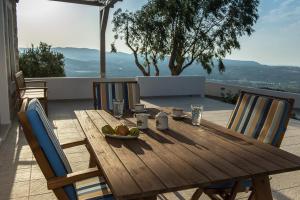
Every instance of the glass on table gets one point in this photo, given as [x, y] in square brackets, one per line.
[118, 108]
[196, 114]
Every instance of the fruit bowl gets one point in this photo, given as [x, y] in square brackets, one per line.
[120, 132]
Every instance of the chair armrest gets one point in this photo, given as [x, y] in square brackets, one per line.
[71, 178]
[73, 144]
[36, 81]
[33, 88]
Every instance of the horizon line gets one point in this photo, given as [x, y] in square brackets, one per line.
[132, 53]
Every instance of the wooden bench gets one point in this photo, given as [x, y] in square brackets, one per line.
[25, 91]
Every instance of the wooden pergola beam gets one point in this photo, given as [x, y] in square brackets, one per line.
[104, 13]
[101, 3]
[84, 2]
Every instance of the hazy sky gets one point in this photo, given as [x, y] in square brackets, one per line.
[276, 40]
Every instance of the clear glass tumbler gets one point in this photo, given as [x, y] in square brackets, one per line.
[196, 114]
[118, 108]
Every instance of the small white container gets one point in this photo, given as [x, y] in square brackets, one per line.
[161, 121]
[142, 120]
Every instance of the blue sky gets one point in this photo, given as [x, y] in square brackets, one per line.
[276, 40]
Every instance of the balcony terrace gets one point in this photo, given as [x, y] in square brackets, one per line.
[21, 178]
[20, 175]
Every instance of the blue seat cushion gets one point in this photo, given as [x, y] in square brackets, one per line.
[34, 104]
[49, 149]
[230, 184]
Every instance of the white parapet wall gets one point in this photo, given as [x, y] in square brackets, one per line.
[64, 88]
[153, 86]
[215, 89]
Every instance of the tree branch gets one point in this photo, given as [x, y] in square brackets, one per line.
[154, 60]
[135, 54]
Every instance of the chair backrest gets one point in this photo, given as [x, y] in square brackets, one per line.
[20, 82]
[262, 117]
[46, 150]
[106, 91]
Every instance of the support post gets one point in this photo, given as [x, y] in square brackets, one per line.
[104, 13]
[4, 79]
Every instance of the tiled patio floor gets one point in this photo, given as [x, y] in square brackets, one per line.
[21, 178]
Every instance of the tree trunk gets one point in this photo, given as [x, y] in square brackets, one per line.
[156, 68]
[140, 67]
[175, 70]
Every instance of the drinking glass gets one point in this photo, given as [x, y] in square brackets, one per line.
[196, 114]
[118, 108]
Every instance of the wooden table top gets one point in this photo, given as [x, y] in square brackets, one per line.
[182, 157]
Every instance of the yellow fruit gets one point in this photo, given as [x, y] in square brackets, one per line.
[122, 130]
[107, 129]
[134, 131]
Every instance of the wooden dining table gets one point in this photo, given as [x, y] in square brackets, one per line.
[182, 157]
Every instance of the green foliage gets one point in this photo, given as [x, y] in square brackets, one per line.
[228, 96]
[41, 61]
[186, 31]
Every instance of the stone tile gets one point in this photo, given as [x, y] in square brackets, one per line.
[287, 194]
[78, 166]
[290, 141]
[48, 196]
[36, 173]
[20, 198]
[78, 157]
[69, 135]
[14, 190]
[285, 180]
[68, 140]
[19, 162]
[38, 187]
[77, 149]
[15, 176]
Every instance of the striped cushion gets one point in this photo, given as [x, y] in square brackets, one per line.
[93, 189]
[105, 93]
[260, 117]
[34, 104]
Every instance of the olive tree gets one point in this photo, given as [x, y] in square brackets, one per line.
[185, 31]
[41, 61]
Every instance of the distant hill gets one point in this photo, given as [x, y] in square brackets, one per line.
[82, 62]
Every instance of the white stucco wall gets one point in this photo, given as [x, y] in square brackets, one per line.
[81, 88]
[214, 89]
[60, 88]
[153, 86]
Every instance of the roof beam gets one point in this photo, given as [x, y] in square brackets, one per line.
[84, 2]
[109, 3]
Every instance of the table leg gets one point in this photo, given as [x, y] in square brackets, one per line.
[262, 188]
[197, 194]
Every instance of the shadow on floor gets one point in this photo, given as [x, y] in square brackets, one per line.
[278, 195]
[14, 164]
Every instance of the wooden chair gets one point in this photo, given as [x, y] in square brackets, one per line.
[24, 91]
[52, 161]
[106, 91]
[262, 117]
